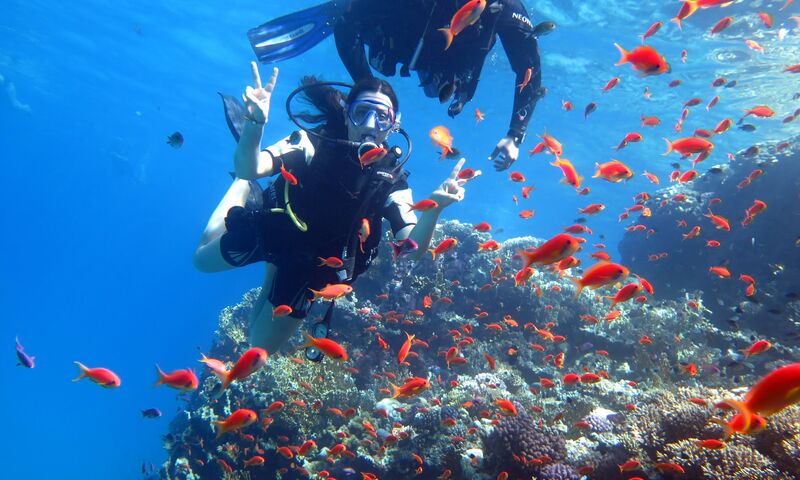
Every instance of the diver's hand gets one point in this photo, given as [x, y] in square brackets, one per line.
[504, 154]
[256, 98]
[451, 190]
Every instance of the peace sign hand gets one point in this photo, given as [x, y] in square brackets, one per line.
[256, 99]
[451, 190]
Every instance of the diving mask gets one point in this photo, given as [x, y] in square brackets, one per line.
[361, 110]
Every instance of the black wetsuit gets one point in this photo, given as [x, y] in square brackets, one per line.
[330, 199]
[393, 28]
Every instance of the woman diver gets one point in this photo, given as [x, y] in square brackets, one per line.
[325, 202]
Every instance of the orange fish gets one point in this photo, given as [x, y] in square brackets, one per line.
[599, 275]
[525, 214]
[405, 348]
[333, 262]
[441, 137]
[571, 176]
[721, 25]
[720, 221]
[516, 177]
[688, 146]
[281, 311]
[526, 79]
[756, 348]
[651, 177]
[592, 209]
[761, 111]
[463, 18]
[101, 376]
[239, 419]
[552, 144]
[553, 250]
[423, 205]
[490, 245]
[184, 380]
[507, 407]
[479, 116]
[250, 362]
[218, 367]
[332, 291]
[444, 246]
[644, 59]
[526, 191]
[721, 272]
[774, 392]
[371, 156]
[287, 175]
[626, 293]
[413, 386]
[482, 227]
[613, 171]
[328, 347]
[254, 461]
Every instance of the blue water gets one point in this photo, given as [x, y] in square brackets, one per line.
[101, 216]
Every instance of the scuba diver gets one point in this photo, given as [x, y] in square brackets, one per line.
[324, 202]
[410, 32]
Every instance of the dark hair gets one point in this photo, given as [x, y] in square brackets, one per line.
[328, 101]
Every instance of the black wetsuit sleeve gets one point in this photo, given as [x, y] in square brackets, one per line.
[515, 31]
[295, 152]
[396, 208]
[350, 45]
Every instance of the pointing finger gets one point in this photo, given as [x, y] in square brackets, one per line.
[256, 75]
[457, 168]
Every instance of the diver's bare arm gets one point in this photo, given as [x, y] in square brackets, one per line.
[249, 161]
[422, 233]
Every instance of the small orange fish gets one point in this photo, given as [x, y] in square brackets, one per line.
[413, 386]
[526, 79]
[288, 176]
[644, 59]
[507, 407]
[599, 275]
[184, 380]
[101, 376]
[281, 311]
[327, 346]
[405, 348]
[236, 421]
[463, 18]
[571, 176]
[441, 137]
[479, 116]
[250, 362]
[332, 291]
[423, 205]
[371, 156]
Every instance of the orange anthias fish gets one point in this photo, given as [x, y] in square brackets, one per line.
[332, 291]
[413, 386]
[526, 79]
[479, 116]
[774, 392]
[613, 171]
[626, 293]
[101, 376]
[371, 156]
[238, 420]
[554, 250]
[463, 18]
[288, 176]
[720, 221]
[506, 406]
[218, 367]
[327, 346]
[599, 275]
[423, 205]
[184, 380]
[363, 233]
[756, 348]
[250, 362]
[552, 144]
[444, 246]
[571, 176]
[688, 146]
[645, 59]
[441, 137]
[404, 349]
[333, 262]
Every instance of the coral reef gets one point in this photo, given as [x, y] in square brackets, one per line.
[480, 339]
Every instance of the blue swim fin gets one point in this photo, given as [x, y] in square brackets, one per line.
[291, 35]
